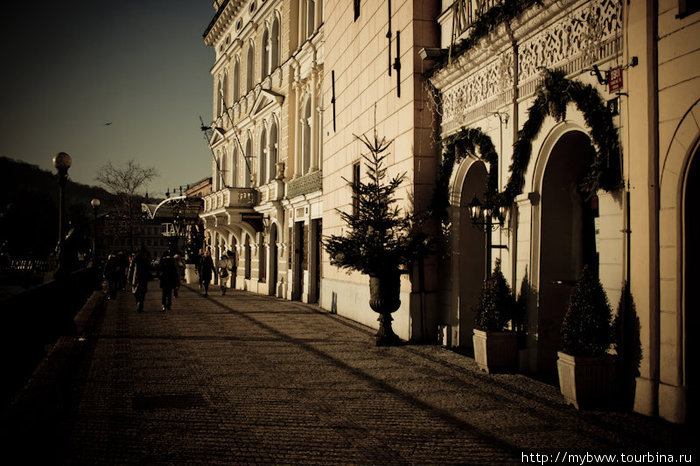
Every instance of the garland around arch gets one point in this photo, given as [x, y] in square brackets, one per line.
[552, 97]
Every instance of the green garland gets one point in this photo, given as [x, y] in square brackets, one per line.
[480, 28]
[552, 97]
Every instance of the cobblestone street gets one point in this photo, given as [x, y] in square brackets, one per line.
[253, 379]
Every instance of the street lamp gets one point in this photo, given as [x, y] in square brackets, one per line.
[483, 218]
[62, 162]
[95, 203]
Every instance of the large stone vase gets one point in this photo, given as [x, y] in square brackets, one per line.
[384, 300]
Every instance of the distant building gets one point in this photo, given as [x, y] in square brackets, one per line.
[199, 189]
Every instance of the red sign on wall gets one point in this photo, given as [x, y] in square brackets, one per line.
[614, 79]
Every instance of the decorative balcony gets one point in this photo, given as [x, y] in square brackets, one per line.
[230, 198]
[305, 184]
[466, 12]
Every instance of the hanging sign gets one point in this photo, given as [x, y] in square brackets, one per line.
[615, 79]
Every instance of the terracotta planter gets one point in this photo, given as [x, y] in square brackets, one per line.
[587, 382]
[495, 351]
[384, 300]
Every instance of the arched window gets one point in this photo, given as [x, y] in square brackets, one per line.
[223, 165]
[216, 171]
[248, 155]
[275, 44]
[236, 80]
[272, 153]
[306, 138]
[249, 68]
[218, 100]
[234, 167]
[264, 58]
[262, 167]
[310, 17]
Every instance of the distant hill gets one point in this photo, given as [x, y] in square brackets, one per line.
[29, 207]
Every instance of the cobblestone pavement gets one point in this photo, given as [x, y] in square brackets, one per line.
[252, 379]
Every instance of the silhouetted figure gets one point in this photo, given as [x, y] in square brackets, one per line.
[139, 275]
[169, 277]
[206, 270]
[224, 268]
[123, 261]
[111, 275]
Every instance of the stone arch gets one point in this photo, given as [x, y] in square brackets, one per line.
[562, 218]
[675, 398]
[467, 250]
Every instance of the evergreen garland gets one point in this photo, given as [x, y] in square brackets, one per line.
[552, 98]
[586, 329]
[484, 24]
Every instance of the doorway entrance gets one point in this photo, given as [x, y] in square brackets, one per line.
[471, 256]
[567, 239]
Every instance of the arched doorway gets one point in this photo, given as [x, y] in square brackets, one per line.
[272, 282]
[691, 215]
[567, 238]
[471, 254]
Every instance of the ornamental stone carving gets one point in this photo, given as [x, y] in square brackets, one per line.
[578, 38]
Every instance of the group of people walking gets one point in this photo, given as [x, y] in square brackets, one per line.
[137, 272]
[206, 271]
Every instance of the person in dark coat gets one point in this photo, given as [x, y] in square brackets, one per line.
[139, 275]
[206, 270]
[111, 275]
[169, 280]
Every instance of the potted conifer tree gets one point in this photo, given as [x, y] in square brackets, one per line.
[382, 240]
[495, 347]
[586, 370]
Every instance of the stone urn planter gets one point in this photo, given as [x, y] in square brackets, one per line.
[495, 351]
[384, 300]
[586, 381]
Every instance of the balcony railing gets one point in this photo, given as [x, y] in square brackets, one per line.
[466, 12]
[230, 198]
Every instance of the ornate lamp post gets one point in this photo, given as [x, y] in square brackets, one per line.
[488, 220]
[62, 162]
[95, 203]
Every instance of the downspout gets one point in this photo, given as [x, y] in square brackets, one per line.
[654, 195]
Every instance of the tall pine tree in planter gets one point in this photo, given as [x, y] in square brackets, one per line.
[586, 370]
[495, 348]
[382, 239]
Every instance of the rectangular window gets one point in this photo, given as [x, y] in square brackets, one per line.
[356, 5]
[687, 7]
[355, 184]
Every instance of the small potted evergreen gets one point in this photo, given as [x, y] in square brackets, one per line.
[495, 347]
[382, 242]
[586, 370]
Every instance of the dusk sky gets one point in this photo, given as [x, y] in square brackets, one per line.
[69, 67]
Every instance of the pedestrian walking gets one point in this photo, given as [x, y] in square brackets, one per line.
[111, 275]
[139, 275]
[206, 269]
[169, 277]
[224, 268]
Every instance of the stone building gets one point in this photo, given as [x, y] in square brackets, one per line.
[571, 195]
[575, 122]
[266, 144]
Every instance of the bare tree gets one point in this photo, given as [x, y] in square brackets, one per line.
[125, 182]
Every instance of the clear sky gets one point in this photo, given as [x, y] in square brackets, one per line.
[68, 67]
